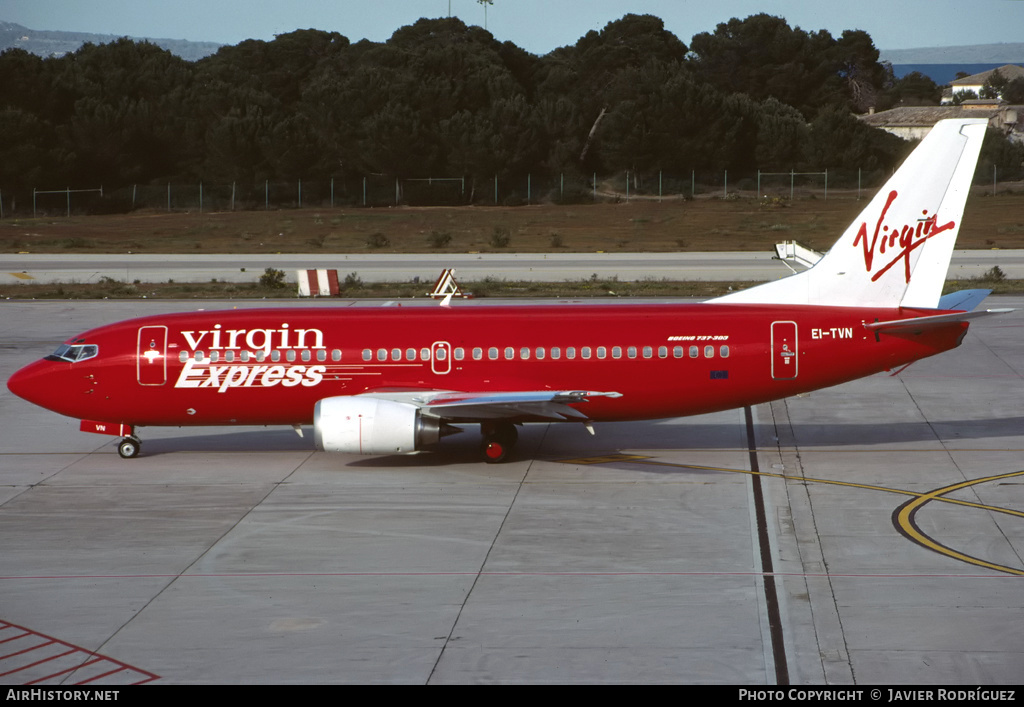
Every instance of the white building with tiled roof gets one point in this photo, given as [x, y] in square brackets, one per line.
[974, 83]
[914, 122]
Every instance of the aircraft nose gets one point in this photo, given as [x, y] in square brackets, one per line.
[29, 384]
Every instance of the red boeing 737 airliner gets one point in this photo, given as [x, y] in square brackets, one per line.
[394, 380]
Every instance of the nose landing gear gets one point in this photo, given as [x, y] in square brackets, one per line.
[129, 447]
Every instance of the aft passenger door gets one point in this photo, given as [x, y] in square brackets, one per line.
[785, 359]
[151, 355]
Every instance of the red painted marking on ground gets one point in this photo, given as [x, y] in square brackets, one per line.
[31, 664]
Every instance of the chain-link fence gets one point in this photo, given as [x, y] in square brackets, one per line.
[382, 190]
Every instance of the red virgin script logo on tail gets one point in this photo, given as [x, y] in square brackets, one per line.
[887, 238]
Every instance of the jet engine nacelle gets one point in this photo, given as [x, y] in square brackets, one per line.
[366, 425]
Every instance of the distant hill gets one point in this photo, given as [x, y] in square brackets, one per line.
[995, 54]
[51, 43]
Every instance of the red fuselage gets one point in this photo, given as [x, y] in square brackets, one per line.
[271, 366]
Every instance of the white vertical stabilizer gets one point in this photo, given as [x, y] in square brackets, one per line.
[897, 251]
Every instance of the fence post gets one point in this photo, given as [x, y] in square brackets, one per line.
[232, 196]
[528, 188]
[495, 189]
[135, 188]
[69, 201]
[332, 192]
[364, 191]
[627, 186]
[168, 197]
[200, 197]
[266, 195]
[300, 193]
[725, 185]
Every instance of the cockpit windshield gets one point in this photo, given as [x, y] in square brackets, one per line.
[74, 352]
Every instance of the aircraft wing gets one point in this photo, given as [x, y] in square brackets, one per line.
[470, 407]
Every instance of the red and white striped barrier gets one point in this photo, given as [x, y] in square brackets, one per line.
[322, 283]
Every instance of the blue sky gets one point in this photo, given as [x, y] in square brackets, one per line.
[535, 25]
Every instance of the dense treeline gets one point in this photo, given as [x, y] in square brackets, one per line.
[443, 99]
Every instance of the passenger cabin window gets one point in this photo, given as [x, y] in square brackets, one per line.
[709, 352]
[367, 354]
[693, 352]
[723, 351]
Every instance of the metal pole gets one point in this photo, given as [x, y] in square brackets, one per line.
[791, 180]
[364, 191]
[232, 196]
[300, 193]
[69, 202]
[659, 186]
[495, 189]
[627, 186]
[758, 184]
[396, 191]
[33, 202]
[332, 192]
[595, 186]
[826, 185]
[993, 180]
[528, 189]
[266, 195]
[135, 188]
[200, 197]
[168, 197]
[693, 186]
[725, 185]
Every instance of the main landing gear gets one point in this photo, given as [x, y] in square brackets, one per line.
[499, 439]
[129, 447]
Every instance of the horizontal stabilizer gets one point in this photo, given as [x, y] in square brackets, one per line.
[964, 300]
[929, 322]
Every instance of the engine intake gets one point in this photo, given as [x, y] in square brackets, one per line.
[367, 425]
